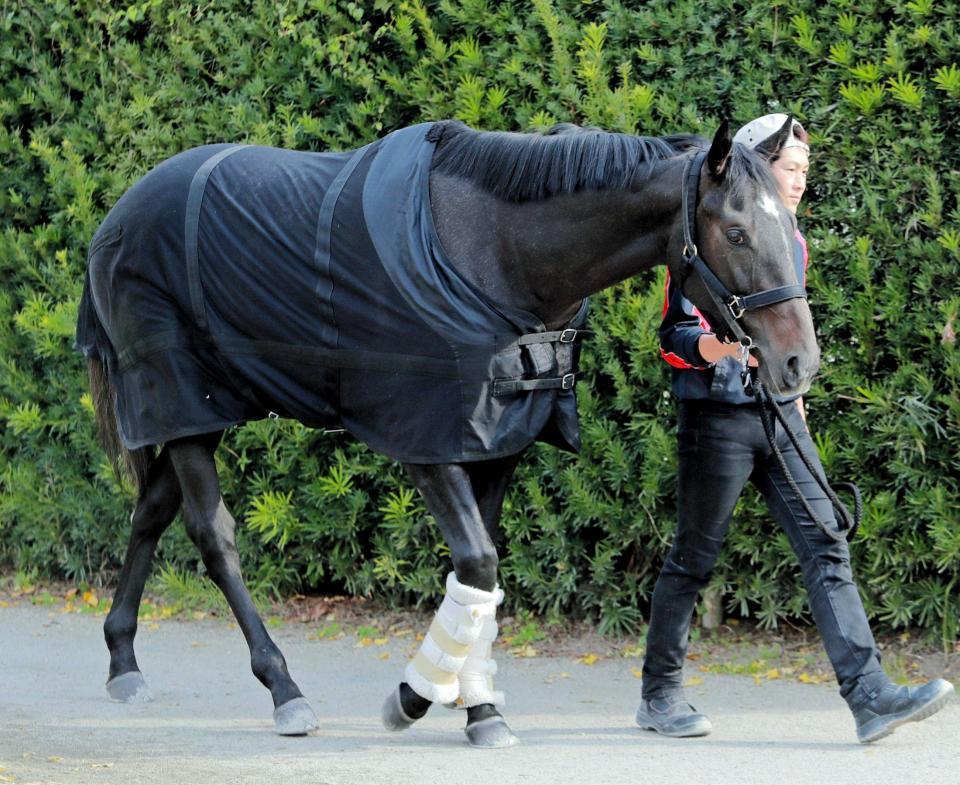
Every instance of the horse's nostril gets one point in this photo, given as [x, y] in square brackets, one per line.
[791, 370]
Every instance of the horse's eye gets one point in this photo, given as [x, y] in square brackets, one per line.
[736, 236]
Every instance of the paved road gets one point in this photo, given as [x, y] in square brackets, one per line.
[211, 721]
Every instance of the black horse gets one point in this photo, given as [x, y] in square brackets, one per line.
[427, 293]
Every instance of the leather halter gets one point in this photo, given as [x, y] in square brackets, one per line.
[729, 306]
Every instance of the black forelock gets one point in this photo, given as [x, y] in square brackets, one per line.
[746, 166]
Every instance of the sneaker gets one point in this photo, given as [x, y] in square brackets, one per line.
[895, 706]
[672, 717]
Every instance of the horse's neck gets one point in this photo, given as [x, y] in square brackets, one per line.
[546, 256]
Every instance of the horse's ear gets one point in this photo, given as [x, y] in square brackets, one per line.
[772, 145]
[720, 150]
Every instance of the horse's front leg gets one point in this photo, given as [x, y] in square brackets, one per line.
[454, 664]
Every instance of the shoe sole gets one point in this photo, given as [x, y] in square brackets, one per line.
[921, 713]
[645, 723]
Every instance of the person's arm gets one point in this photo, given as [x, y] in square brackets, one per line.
[681, 329]
[803, 410]
[686, 340]
[712, 349]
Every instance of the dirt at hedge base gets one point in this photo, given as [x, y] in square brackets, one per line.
[735, 647]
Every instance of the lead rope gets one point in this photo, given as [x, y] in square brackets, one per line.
[847, 524]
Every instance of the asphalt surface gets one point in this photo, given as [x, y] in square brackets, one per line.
[211, 720]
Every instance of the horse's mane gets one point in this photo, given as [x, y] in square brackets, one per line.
[521, 167]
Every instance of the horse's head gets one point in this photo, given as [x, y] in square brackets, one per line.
[746, 237]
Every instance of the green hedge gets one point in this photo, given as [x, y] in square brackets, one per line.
[92, 95]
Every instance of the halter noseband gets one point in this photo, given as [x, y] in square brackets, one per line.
[729, 306]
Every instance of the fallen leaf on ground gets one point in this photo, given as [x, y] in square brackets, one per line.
[524, 651]
[693, 681]
[332, 631]
[637, 673]
[588, 659]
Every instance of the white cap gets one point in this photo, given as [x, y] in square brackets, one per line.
[761, 129]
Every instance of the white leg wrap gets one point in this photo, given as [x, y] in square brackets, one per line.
[460, 620]
[476, 676]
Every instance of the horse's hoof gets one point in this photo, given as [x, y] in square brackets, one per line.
[295, 718]
[393, 716]
[129, 687]
[490, 733]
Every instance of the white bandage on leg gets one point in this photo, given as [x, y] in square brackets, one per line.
[433, 673]
[476, 676]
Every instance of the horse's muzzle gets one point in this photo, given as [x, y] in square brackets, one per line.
[797, 372]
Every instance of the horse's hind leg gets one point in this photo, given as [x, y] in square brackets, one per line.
[156, 508]
[211, 528]
[461, 635]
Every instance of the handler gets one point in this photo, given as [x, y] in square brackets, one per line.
[722, 445]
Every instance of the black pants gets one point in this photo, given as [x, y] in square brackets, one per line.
[720, 448]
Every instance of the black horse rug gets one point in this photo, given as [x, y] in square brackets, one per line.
[233, 283]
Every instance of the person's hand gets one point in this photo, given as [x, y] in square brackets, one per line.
[713, 349]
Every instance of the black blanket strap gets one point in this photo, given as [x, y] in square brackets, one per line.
[569, 335]
[324, 242]
[512, 386]
[192, 230]
[353, 359]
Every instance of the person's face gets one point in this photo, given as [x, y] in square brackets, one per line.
[790, 172]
